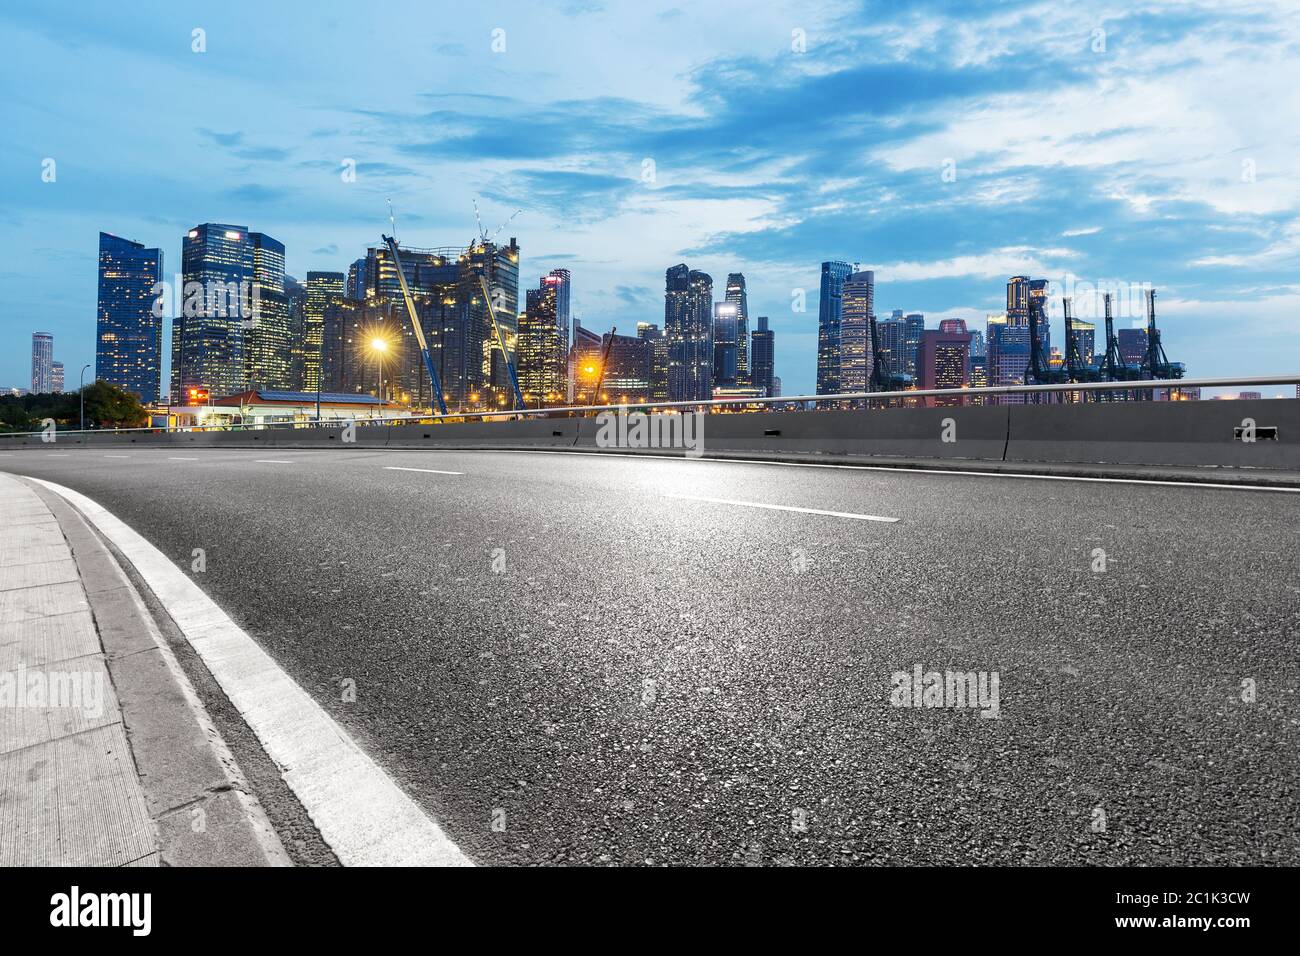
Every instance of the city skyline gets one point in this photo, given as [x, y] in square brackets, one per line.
[897, 176]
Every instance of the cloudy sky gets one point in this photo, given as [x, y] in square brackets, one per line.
[946, 145]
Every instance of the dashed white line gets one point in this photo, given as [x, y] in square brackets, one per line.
[431, 471]
[117, 456]
[806, 511]
[362, 814]
[272, 461]
[181, 459]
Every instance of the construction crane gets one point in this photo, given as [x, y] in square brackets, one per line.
[484, 240]
[434, 382]
[501, 344]
[604, 362]
[482, 233]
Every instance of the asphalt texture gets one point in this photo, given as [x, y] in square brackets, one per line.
[565, 664]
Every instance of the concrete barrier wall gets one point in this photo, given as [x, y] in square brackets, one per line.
[978, 433]
[1157, 433]
[1151, 433]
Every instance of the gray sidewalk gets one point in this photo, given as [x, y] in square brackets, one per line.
[106, 756]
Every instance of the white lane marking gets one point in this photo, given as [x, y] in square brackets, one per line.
[361, 813]
[182, 459]
[55, 456]
[806, 511]
[431, 471]
[916, 471]
[272, 461]
[117, 456]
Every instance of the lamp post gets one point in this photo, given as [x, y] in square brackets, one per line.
[380, 346]
[82, 390]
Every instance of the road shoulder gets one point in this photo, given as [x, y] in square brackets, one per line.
[152, 781]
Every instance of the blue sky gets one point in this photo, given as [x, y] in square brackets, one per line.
[1098, 145]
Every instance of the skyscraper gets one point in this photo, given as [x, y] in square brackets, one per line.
[857, 303]
[658, 391]
[208, 345]
[1085, 340]
[830, 314]
[945, 359]
[296, 294]
[322, 289]
[434, 277]
[724, 344]
[540, 353]
[42, 363]
[893, 352]
[563, 290]
[688, 324]
[56, 377]
[736, 294]
[763, 357]
[129, 320]
[1007, 355]
[1132, 346]
[468, 361]
[627, 372]
[913, 329]
[356, 281]
[446, 287]
[268, 348]
[1020, 291]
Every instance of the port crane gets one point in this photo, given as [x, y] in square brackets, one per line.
[1157, 364]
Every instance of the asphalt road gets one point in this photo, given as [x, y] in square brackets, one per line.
[634, 677]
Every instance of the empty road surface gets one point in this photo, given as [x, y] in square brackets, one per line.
[670, 661]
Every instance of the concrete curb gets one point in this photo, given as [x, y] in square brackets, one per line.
[202, 811]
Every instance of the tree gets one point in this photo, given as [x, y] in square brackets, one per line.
[110, 407]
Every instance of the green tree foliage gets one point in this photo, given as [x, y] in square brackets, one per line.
[107, 406]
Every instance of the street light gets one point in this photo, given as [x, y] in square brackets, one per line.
[380, 346]
[82, 390]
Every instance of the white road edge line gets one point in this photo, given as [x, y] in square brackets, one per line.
[806, 511]
[360, 811]
[431, 471]
[916, 471]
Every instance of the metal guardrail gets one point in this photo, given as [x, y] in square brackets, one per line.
[704, 404]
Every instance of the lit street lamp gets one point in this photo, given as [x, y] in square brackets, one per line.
[82, 390]
[380, 346]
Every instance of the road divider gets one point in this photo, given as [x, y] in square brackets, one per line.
[1247, 434]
